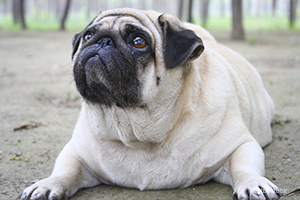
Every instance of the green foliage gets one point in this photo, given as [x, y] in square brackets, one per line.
[267, 22]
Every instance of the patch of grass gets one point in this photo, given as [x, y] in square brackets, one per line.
[268, 22]
[216, 22]
[6, 23]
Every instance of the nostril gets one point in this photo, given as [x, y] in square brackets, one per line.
[106, 41]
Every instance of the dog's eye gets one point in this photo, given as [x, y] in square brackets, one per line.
[139, 43]
[87, 37]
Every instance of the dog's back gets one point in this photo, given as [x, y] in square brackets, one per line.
[257, 116]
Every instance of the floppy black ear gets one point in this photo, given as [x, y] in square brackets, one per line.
[75, 43]
[180, 44]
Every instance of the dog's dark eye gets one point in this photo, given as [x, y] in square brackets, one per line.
[87, 37]
[139, 43]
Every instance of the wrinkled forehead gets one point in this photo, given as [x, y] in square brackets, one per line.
[142, 16]
[118, 19]
[119, 22]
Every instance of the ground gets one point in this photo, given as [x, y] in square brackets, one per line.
[37, 92]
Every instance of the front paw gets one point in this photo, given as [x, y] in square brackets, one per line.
[258, 188]
[46, 189]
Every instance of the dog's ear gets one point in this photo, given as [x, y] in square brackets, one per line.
[75, 43]
[180, 44]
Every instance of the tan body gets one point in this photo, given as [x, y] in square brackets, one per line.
[207, 120]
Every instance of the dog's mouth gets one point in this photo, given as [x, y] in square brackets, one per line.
[106, 75]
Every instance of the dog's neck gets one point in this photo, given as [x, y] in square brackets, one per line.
[137, 126]
[131, 126]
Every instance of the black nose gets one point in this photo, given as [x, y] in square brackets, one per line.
[106, 41]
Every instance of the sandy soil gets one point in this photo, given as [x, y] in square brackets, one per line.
[37, 92]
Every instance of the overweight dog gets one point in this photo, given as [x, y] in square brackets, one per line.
[164, 106]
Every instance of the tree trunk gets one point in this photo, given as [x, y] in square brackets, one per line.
[16, 11]
[19, 12]
[190, 12]
[204, 11]
[180, 9]
[22, 13]
[237, 20]
[65, 15]
[274, 5]
[292, 16]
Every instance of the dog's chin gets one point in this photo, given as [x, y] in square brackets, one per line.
[107, 78]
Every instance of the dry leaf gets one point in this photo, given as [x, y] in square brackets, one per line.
[27, 126]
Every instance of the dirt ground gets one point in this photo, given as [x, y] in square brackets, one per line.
[37, 92]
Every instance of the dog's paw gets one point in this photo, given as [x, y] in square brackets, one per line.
[258, 188]
[45, 189]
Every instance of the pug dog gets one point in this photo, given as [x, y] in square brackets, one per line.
[164, 106]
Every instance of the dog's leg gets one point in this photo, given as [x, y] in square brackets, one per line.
[244, 172]
[68, 176]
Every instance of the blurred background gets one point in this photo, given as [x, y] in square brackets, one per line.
[235, 15]
[37, 87]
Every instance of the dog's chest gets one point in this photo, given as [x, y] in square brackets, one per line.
[179, 163]
[158, 169]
